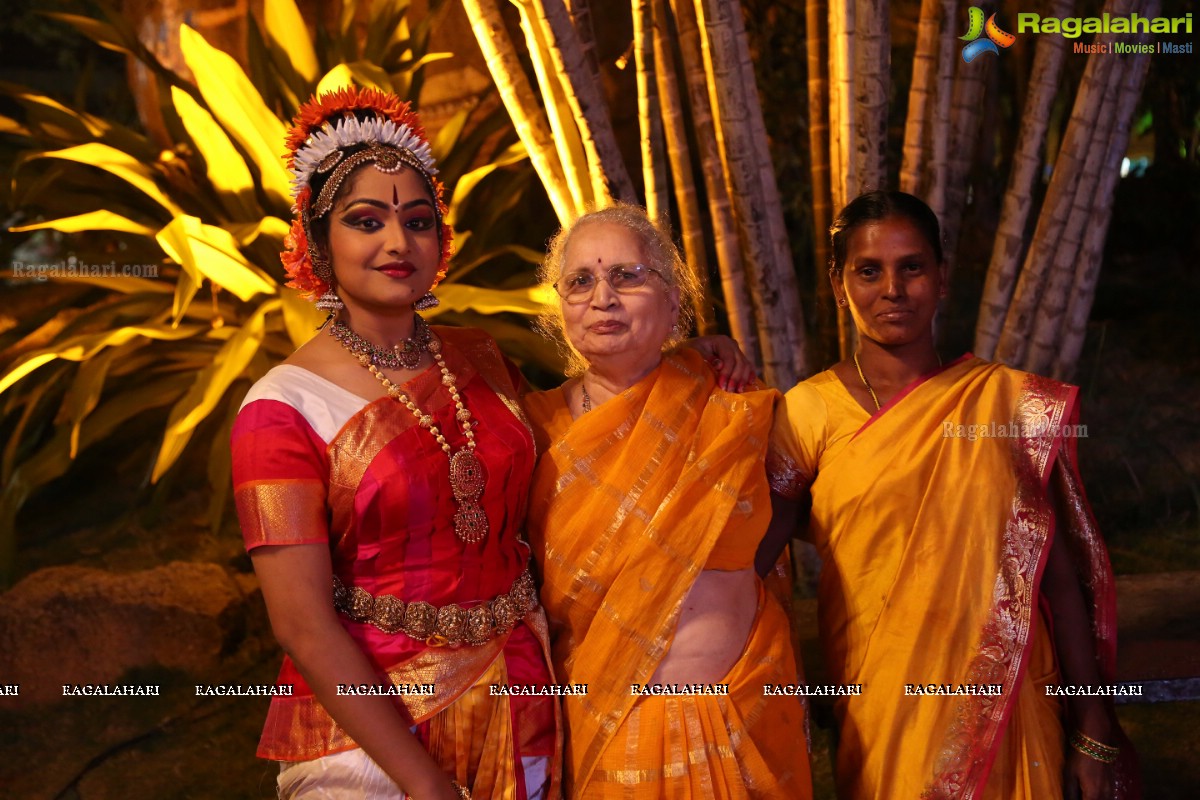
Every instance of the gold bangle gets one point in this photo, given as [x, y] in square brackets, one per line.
[463, 792]
[1098, 751]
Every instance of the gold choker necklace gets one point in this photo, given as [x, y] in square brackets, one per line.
[406, 355]
[466, 471]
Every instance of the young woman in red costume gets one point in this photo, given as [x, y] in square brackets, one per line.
[381, 475]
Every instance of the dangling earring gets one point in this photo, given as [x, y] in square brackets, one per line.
[320, 264]
[330, 301]
[427, 301]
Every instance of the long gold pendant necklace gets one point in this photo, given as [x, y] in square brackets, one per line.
[866, 382]
[466, 471]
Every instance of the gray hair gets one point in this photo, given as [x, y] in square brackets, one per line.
[659, 253]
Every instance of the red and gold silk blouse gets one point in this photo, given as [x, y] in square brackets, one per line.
[315, 463]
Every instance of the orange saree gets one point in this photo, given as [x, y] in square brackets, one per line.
[934, 519]
[628, 504]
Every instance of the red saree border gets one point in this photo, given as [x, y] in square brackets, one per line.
[969, 748]
[909, 389]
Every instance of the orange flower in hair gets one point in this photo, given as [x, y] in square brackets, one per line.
[324, 129]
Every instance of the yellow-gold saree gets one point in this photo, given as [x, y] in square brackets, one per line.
[933, 518]
[628, 503]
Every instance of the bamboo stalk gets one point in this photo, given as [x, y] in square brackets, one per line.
[816, 27]
[872, 78]
[558, 111]
[680, 158]
[581, 18]
[782, 269]
[738, 301]
[841, 122]
[940, 128]
[1060, 274]
[841, 93]
[528, 119]
[967, 104]
[739, 131]
[1018, 321]
[654, 164]
[1087, 272]
[1018, 199]
[920, 97]
[610, 178]
[836, 20]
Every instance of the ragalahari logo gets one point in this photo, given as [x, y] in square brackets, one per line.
[996, 38]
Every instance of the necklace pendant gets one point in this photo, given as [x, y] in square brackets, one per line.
[466, 470]
[470, 522]
[466, 474]
[466, 481]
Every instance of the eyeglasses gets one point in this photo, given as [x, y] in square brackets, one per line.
[578, 286]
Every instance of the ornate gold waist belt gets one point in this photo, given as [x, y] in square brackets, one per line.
[450, 625]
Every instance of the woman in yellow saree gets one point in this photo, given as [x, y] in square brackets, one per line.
[963, 578]
[648, 504]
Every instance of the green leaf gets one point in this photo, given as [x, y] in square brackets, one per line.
[85, 392]
[47, 113]
[124, 284]
[220, 466]
[116, 162]
[301, 318]
[49, 119]
[443, 144]
[186, 287]
[227, 169]
[362, 73]
[385, 20]
[460, 297]
[210, 386]
[288, 40]
[53, 459]
[34, 414]
[272, 228]
[240, 109]
[348, 39]
[526, 254]
[467, 183]
[11, 126]
[91, 221]
[99, 32]
[212, 252]
[28, 333]
[81, 348]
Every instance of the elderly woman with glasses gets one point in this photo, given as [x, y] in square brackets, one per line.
[648, 503]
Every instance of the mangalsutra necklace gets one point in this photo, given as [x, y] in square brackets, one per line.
[406, 355]
[587, 398]
[866, 382]
[466, 471]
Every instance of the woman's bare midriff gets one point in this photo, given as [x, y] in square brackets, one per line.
[713, 626]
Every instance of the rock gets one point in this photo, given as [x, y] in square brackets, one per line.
[79, 625]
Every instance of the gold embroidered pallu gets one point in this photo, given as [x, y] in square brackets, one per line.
[626, 506]
[934, 520]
